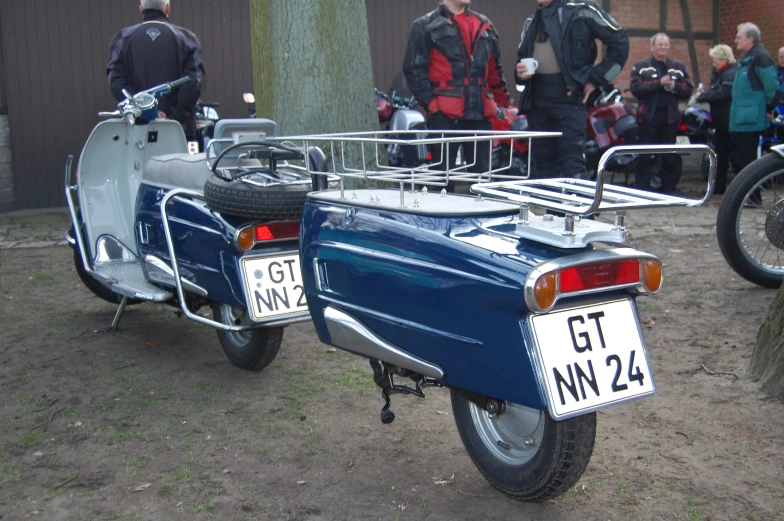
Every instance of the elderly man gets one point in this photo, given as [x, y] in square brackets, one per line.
[562, 36]
[780, 72]
[753, 94]
[155, 52]
[659, 83]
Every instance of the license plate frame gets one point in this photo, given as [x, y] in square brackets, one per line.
[621, 365]
[279, 304]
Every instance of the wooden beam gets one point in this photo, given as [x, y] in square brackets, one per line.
[695, 66]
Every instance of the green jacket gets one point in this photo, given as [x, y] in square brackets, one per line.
[753, 91]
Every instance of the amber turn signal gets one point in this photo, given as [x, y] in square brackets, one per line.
[245, 238]
[545, 290]
[652, 275]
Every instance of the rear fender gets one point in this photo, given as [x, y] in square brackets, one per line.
[405, 119]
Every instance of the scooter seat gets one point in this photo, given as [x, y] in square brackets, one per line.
[183, 171]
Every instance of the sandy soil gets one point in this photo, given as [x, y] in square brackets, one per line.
[153, 423]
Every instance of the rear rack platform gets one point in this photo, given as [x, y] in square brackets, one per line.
[551, 211]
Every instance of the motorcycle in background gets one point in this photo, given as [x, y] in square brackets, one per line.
[512, 120]
[774, 135]
[610, 123]
[397, 114]
[206, 117]
[250, 101]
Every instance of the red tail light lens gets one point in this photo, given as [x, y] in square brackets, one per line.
[682, 128]
[599, 275]
[277, 231]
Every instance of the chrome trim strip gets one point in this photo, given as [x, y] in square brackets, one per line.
[576, 260]
[300, 317]
[535, 353]
[348, 333]
[168, 277]
[779, 149]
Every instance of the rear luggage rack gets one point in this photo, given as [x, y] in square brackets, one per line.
[551, 211]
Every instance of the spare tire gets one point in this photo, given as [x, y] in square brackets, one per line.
[272, 203]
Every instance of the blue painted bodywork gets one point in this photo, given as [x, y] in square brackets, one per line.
[436, 287]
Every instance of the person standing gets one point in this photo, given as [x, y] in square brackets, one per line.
[453, 67]
[561, 36]
[780, 74]
[753, 95]
[719, 96]
[155, 52]
[659, 83]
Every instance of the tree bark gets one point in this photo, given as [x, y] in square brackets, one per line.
[311, 67]
[767, 360]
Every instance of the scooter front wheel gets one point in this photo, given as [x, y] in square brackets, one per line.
[250, 350]
[522, 451]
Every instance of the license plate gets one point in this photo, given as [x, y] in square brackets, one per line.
[274, 286]
[591, 357]
[682, 140]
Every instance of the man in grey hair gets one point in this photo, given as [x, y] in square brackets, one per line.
[155, 52]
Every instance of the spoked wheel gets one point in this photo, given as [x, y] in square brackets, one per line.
[251, 350]
[750, 223]
[522, 451]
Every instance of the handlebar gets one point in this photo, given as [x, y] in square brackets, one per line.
[145, 103]
[180, 82]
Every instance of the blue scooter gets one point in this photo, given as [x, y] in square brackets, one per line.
[155, 223]
[512, 298]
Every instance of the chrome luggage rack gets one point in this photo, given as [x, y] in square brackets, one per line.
[551, 211]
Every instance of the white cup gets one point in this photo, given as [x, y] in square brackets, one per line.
[531, 65]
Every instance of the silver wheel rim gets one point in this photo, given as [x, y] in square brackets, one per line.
[756, 230]
[235, 317]
[513, 437]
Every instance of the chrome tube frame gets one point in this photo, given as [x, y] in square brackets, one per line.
[178, 280]
[72, 209]
[579, 198]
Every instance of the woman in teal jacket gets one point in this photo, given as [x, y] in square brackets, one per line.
[753, 93]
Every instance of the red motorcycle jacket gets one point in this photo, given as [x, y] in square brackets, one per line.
[453, 64]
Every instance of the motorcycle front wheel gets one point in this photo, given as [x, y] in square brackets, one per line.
[250, 350]
[522, 451]
[750, 222]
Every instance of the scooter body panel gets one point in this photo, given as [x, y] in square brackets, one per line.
[203, 242]
[110, 172]
[448, 290]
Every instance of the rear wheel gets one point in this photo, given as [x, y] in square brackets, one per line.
[250, 350]
[522, 451]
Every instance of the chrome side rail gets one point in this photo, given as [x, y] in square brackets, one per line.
[579, 198]
[299, 317]
[72, 209]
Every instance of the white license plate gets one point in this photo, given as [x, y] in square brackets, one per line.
[274, 286]
[682, 140]
[591, 357]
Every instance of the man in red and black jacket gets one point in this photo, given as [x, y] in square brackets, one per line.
[453, 68]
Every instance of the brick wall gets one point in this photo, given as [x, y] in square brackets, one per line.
[767, 14]
[645, 15]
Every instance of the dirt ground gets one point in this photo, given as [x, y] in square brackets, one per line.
[153, 423]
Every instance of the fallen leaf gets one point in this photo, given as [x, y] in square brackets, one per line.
[331, 350]
[301, 482]
[178, 505]
[141, 488]
[151, 344]
[75, 424]
[209, 437]
[38, 454]
[441, 412]
[227, 471]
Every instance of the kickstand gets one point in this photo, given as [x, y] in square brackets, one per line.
[119, 314]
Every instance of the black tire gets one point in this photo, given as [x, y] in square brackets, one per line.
[555, 462]
[274, 203]
[759, 189]
[252, 350]
[98, 289]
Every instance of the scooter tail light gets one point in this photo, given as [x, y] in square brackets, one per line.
[652, 276]
[252, 235]
[599, 275]
[546, 290]
[245, 239]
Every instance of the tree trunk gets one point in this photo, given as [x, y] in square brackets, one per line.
[767, 360]
[311, 67]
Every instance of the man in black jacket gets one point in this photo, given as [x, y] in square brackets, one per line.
[659, 83]
[453, 68]
[562, 36]
[155, 52]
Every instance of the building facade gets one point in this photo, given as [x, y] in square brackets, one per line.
[53, 57]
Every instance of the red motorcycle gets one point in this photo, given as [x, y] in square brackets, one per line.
[516, 122]
[610, 123]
